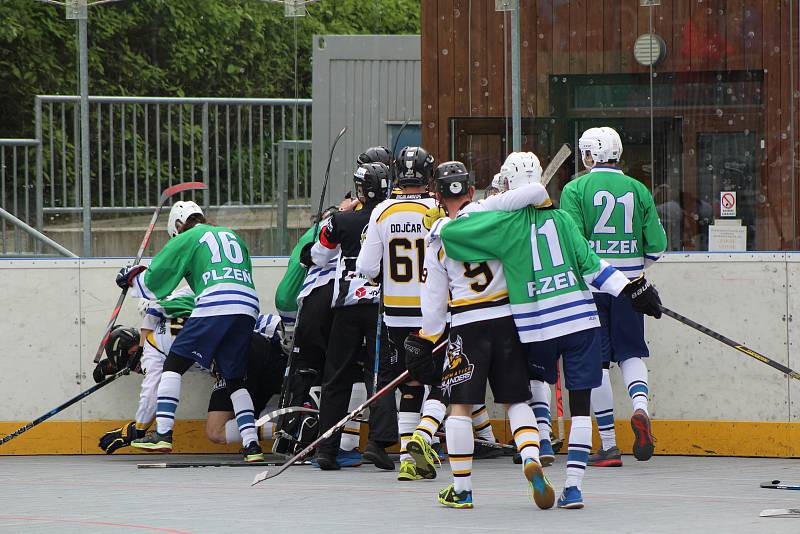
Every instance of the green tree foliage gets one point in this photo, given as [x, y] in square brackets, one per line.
[233, 48]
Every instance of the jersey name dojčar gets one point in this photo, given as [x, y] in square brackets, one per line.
[548, 267]
[215, 263]
[618, 216]
[396, 240]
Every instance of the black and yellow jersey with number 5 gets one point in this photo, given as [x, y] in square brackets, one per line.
[396, 241]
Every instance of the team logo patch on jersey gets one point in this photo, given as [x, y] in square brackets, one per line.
[458, 368]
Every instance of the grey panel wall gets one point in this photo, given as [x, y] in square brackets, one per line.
[364, 82]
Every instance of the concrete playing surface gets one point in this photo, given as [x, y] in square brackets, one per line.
[109, 494]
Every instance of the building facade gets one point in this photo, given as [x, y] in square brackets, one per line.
[714, 113]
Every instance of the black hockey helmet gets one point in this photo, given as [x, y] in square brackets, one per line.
[373, 180]
[452, 179]
[375, 154]
[121, 341]
[414, 167]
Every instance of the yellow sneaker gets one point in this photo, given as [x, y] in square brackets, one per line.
[424, 456]
[451, 499]
[408, 471]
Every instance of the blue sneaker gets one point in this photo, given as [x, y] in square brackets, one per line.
[540, 488]
[546, 454]
[349, 458]
[571, 499]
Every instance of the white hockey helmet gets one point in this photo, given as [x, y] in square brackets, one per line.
[520, 168]
[181, 211]
[604, 144]
[497, 183]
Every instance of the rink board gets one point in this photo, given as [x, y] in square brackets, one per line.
[702, 392]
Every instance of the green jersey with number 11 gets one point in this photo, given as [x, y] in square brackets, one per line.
[617, 214]
[216, 264]
[548, 267]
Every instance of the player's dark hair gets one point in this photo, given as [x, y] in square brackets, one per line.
[193, 220]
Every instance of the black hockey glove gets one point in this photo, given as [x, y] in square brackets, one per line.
[103, 368]
[127, 274]
[305, 256]
[121, 437]
[644, 297]
[419, 360]
[135, 361]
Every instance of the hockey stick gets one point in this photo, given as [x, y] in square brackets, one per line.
[738, 346]
[265, 475]
[66, 405]
[777, 484]
[781, 512]
[267, 417]
[186, 465]
[165, 195]
[284, 397]
[556, 163]
[479, 441]
[559, 408]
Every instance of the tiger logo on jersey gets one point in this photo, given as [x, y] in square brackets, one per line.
[458, 368]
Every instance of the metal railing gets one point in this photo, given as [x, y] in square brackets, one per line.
[141, 145]
[17, 170]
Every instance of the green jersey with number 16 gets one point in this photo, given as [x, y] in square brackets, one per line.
[548, 267]
[216, 264]
[617, 214]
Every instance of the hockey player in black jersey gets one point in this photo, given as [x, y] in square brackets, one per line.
[355, 306]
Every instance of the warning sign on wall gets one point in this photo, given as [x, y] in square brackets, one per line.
[727, 204]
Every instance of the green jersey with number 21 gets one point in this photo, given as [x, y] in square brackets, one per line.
[617, 214]
[216, 264]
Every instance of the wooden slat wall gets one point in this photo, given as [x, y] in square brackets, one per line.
[563, 37]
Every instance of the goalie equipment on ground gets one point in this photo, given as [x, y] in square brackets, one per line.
[452, 179]
[520, 168]
[181, 211]
[603, 144]
[121, 437]
[414, 167]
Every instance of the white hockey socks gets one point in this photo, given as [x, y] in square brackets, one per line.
[169, 394]
[580, 445]
[432, 416]
[460, 447]
[603, 407]
[634, 373]
[406, 424]
[481, 424]
[244, 415]
[526, 435]
[351, 433]
[540, 402]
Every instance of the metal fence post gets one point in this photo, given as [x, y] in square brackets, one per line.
[206, 165]
[283, 199]
[39, 171]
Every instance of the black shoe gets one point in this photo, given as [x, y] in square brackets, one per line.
[326, 461]
[377, 455]
[485, 452]
[253, 452]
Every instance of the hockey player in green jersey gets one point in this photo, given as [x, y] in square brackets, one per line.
[617, 214]
[549, 267]
[483, 345]
[216, 264]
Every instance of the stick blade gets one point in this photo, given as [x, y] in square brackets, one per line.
[556, 163]
[180, 188]
[262, 476]
[780, 512]
[152, 466]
